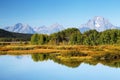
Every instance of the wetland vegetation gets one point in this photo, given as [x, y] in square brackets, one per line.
[69, 43]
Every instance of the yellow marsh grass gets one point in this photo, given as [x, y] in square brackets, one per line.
[28, 49]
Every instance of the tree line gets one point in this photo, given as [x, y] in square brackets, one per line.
[73, 36]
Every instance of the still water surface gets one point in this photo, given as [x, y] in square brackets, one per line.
[25, 68]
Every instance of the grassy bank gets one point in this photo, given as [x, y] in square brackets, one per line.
[100, 52]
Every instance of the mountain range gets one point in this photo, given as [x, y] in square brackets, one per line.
[49, 30]
[21, 28]
[99, 23]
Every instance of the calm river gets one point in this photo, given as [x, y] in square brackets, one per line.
[26, 68]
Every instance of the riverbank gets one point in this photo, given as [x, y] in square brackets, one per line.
[100, 52]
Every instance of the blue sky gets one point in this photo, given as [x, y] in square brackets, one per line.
[66, 12]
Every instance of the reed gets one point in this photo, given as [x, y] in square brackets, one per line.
[96, 52]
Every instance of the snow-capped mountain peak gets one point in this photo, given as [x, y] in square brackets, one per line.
[20, 28]
[56, 27]
[98, 20]
[99, 23]
[18, 24]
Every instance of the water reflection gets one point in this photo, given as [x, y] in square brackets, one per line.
[32, 67]
[19, 57]
[70, 61]
[73, 61]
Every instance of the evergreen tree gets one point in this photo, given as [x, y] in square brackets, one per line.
[41, 39]
[34, 39]
[73, 39]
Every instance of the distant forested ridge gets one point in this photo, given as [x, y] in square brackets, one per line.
[73, 36]
[11, 36]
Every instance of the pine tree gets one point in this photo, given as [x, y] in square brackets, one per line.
[34, 39]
